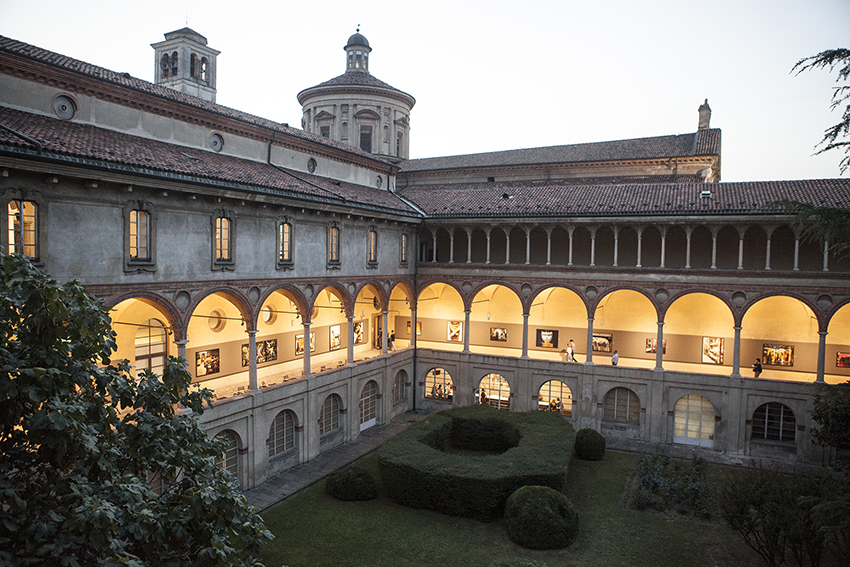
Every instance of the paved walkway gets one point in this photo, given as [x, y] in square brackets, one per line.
[297, 478]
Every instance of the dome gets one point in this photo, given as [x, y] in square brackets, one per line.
[357, 39]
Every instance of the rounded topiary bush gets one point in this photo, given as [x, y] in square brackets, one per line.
[351, 484]
[539, 517]
[590, 445]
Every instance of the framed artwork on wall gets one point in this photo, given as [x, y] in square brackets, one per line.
[842, 360]
[299, 343]
[777, 355]
[335, 337]
[498, 334]
[359, 333]
[266, 352]
[602, 342]
[207, 362]
[713, 349]
[547, 338]
[418, 328]
[454, 331]
[652, 345]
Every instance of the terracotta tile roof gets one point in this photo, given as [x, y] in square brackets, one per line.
[83, 144]
[702, 142]
[20, 48]
[355, 79]
[557, 200]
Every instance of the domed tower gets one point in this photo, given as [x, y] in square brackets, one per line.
[357, 109]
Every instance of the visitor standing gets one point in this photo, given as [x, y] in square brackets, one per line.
[615, 359]
[757, 367]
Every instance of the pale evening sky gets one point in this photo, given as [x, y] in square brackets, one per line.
[501, 75]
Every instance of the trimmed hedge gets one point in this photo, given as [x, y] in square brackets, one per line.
[351, 483]
[416, 471]
[538, 517]
[590, 445]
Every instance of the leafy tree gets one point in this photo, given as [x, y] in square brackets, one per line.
[80, 439]
[831, 412]
[833, 138]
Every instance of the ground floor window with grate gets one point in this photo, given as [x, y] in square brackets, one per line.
[282, 433]
[229, 460]
[774, 421]
[555, 396]
[494, 391]
[438, 385]
[621, 406]
[329, 417]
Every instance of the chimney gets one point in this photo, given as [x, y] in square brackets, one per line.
[704, 116]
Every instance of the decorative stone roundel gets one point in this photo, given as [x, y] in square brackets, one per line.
[739, 298]
[466, 287]
[254, 294]
[825, 301]
[591, 292]
[526, 289]
[182, 300]
[352, 288]
[661, 295]
[216, 142]
[311, 165]
[64, 107]
[308, 290]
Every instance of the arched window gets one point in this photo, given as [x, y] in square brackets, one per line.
[229, 460]
[151, 346]
[329, 417]
[369, 405]
[174, 64]
[333, 244]
[494, 391]
[399, 388]
[622, 406]
[774, 421]
[165, 65]
[205, 70]
[193, 66]
[23, 228]
[693, 421]
[554, 395]
[438, 385]
[373, 246]
[282, 433]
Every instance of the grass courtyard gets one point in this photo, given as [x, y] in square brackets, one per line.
[312, 530]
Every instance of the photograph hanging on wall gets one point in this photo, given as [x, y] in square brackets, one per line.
[842, 359]
[207, 362]
[777, 355]
[652, 345]
[454, 331]
[418, 328]
[498, 334]
[602, 342]
[712, 350]
[266, 352]
[359, 334]
[335, 337]
[299, 343]
[547, 338]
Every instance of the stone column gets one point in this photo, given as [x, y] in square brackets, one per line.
[549, 247]
[527, 246]
[570, 259]
[434, 258]
[826, 256]
[767, 254]
[181, 349]
[588, 359]
[252, 364]
[488, 247]
[469, 246]
[413, 325]
[466, 315]
[659, 347]
[796, 252]
[507, 247]
[713, 250]
[593, 246]
[740, 251]
[307, 368]
[452, 247]
[524, 335]
[616, 244]
[821, 355]
[351, 339]
[688, 232]
[639, 245]
[385, 336]
[736, 356]
[663, 246]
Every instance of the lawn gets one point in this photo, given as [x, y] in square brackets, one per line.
[312, 530]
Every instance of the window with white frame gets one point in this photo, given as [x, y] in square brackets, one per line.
[369, 405]
[23, 227]
[282, 433]
[693, 421]
[139, 237]
[229, 460]
[622, 406]
[774, 421]
[223, 239]
[284, 242]
[140, 243]
[151, 346]
[329, 416]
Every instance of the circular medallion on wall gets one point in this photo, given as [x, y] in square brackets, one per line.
[311, 165]
[739, 298]
[268, 314]
[466, 287]
[661, 295]
[591, 292]
[254, 294]
[308, 290]
[64, 107]
[217, 321]
[216, 142]
[378, 182]
[526, 289]
[182, 300]
[824, 301]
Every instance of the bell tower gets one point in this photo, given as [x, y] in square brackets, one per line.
[185, 63]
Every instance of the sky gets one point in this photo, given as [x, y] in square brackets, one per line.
[501, 75]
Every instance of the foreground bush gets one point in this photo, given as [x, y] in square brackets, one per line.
[539, 517]
[590, 445]
[352, 483]
[662, 484]
[419, 469]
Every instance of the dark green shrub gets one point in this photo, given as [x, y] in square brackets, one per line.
[590, 445]
[539, 517]
[661, 483]
[351, 483]
[417, 470]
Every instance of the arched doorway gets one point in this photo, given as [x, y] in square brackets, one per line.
[369, 405]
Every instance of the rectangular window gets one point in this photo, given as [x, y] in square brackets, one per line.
[23, 228]
[139, 235]
[325, 131]
[366, 138]
[333, 244]
[285, 238]
[403, 249]
[373, 247]
[222, 238]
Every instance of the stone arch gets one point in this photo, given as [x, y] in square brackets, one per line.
[495, 306]
[675, 247]
[701, 246]
[498, 245]
[539, 244]
[236, 296]
[133, 314]
[604, 248]
[461, 239]
[621, 405]
[560, 246]
[494, 390]
[518, 243]
[479, 245]
[581, 246]
[163, 304]
[623, 317]
[755, 248]
[627, 246]
[727, 248]
[439, 384]
[443, 251]
[555, 395]
[690, 317]
[782, 241]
